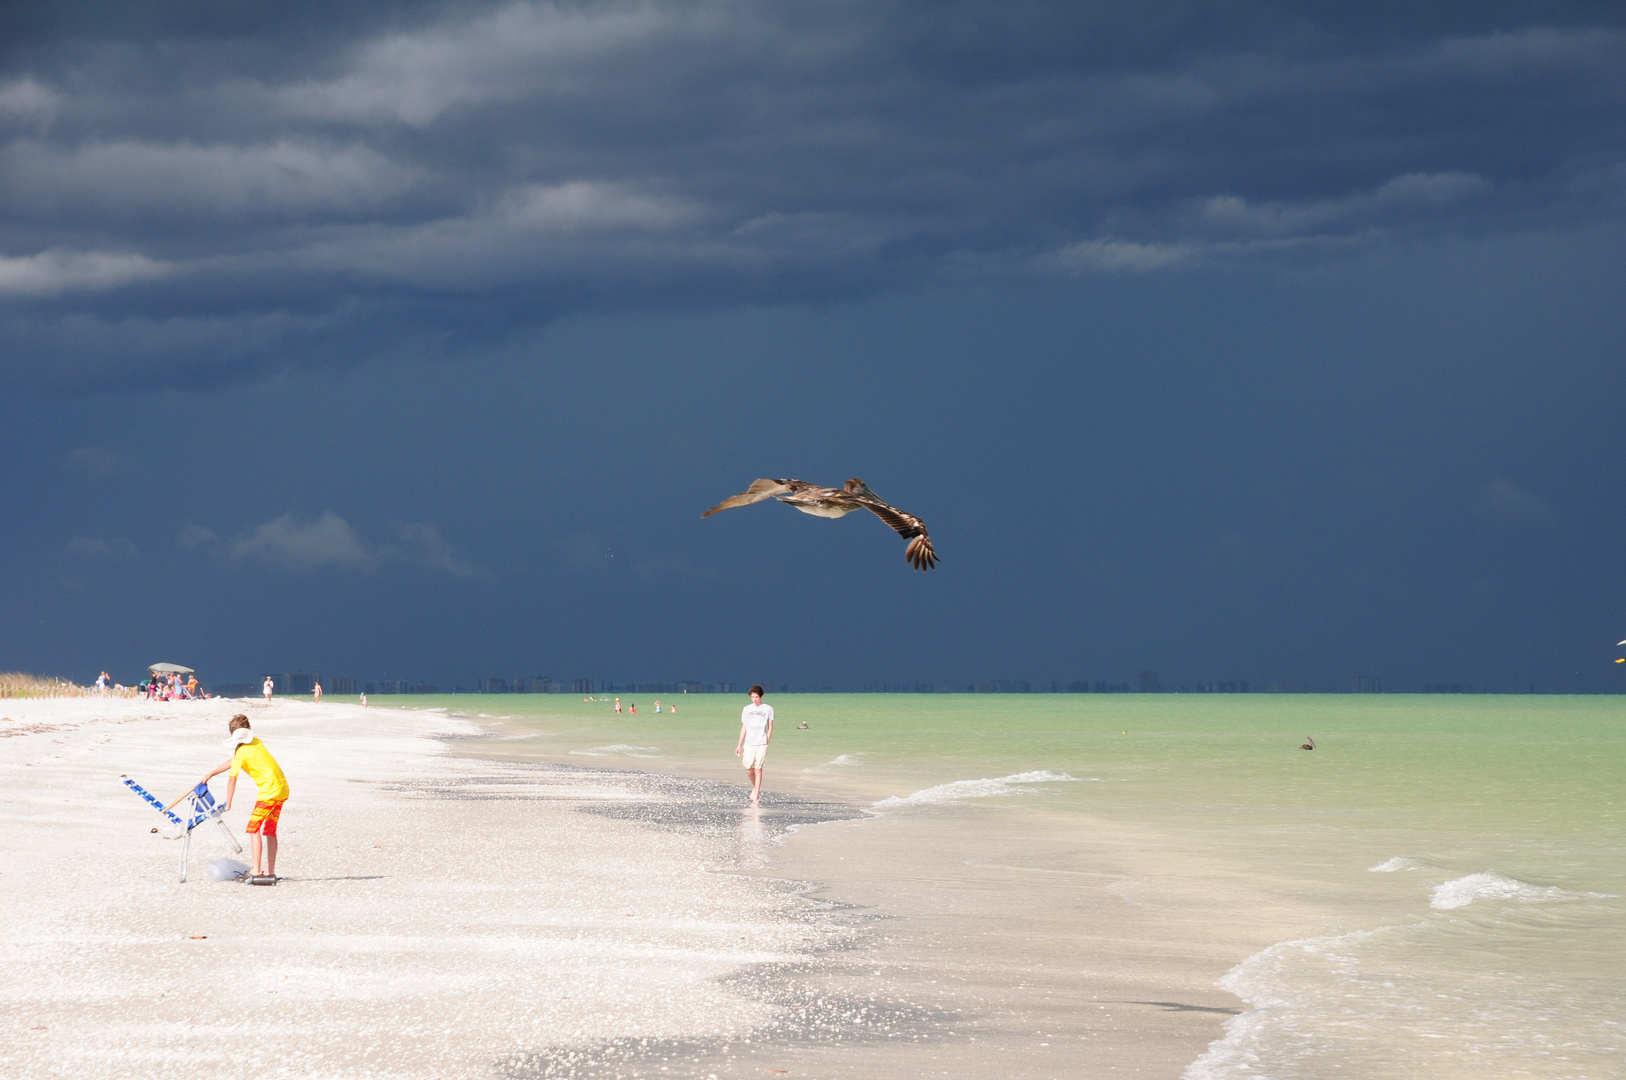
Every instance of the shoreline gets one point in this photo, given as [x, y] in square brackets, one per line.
[1116, 994]
[561, 918]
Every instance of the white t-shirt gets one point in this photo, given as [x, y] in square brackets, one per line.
[756, 719]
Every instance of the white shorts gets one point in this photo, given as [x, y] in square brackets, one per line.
[754, 756]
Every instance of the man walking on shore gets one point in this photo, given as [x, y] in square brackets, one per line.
[756, 729]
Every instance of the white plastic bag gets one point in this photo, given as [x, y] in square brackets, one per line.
[227, 869]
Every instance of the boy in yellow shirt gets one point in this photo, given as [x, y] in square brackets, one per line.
[252, 757]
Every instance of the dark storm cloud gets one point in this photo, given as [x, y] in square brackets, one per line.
[206, 194]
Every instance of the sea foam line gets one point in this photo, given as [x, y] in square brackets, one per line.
[1014, 784]
[619, 750]
[840, 762]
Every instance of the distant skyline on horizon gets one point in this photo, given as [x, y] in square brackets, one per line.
[1145, 681]
[1282, 342]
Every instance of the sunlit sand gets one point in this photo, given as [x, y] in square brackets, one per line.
[438, 916]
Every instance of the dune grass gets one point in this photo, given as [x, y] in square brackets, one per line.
[18, 684]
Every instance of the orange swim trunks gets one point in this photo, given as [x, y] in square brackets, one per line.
[264, 818]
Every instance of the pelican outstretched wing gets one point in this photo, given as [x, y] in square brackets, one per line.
[837, 502]
[761, 489]
[919, 552]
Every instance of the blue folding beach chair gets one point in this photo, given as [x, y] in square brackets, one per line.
[200, 807]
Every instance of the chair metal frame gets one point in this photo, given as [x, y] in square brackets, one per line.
[200, 807]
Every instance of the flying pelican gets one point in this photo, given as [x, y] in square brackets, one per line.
[833, 503]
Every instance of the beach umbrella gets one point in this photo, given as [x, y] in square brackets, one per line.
[166, 669]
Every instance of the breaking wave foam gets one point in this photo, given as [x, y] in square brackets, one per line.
[1267, 981]
[1490, 885]
[1015, 784]
[1399, 862]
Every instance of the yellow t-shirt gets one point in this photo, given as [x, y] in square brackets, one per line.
[254, 759]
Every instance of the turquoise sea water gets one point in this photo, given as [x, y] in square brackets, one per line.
[1457, 860]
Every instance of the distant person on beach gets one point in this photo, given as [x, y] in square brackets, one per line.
[364, 701]
[316, 688]
[657, 705]
[101, 684]
[268, 688]
[617, 704]
[252, 757]
[756, 729]
[634, 709]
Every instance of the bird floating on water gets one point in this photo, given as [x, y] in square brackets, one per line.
[1309, 744]
[836, 502]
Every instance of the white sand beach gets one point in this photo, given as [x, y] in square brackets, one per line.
[438, 916]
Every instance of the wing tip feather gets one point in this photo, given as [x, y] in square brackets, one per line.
[920, 554]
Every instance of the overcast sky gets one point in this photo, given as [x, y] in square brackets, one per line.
[1278, 342]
